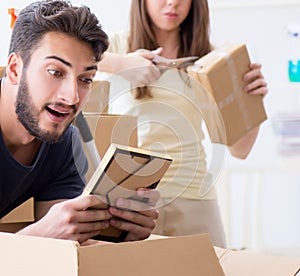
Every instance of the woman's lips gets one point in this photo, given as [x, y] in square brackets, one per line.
[171, 15]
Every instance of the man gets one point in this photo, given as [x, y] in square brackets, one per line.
[53, 56]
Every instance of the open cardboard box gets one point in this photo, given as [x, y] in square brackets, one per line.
[176, 256]
[35, 256]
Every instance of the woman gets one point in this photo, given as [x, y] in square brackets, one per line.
[169, 114]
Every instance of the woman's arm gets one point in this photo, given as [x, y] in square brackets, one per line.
[256, 87]
[242, 148]
[136, 67]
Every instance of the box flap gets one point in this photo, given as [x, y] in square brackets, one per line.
[36, 256]
[236, 263]
[23, 213]
[189, 255]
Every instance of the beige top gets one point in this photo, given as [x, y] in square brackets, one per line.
[170, 121]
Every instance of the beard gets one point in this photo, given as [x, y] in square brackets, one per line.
[28, 115]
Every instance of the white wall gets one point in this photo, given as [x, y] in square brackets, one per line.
[113, 16]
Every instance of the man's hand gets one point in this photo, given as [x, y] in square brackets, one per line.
[76, 219]
[82, 218]
[136, 217]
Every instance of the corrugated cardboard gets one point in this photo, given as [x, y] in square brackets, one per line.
[112, 128]
[2, 68]
[237, 263]
[235, 112]
[106, 128]
[13, 227]
[35, 256]
[18, 218]
[103, 126]
[23, 213]
[97, 102]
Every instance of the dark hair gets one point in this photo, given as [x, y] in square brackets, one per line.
[41, 17]
[194, 33]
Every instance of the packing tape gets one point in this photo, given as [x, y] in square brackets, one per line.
[236, 93]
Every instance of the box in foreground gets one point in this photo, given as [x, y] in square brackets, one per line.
[35, 256]
[176, 256]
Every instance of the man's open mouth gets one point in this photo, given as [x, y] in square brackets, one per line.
[57, 113]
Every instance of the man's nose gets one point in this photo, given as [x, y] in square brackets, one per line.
[68, 93]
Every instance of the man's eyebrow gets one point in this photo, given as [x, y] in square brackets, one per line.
[93, 67]
[61, 60]
[88, 68]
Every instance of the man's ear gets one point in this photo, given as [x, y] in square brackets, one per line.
[14, 68]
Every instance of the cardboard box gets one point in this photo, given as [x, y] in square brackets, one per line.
[109, 128]
[35, 256]
[231, 112]
[106, 128]
[237, 263]
[176, 256]
[97, 102]
[112, 128]
[18, 218]
[2, 68]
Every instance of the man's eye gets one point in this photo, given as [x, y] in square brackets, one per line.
[86, 80]
[55, 73]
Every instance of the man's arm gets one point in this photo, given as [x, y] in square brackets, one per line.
[41, 208]
[84, 217]
[73, 219]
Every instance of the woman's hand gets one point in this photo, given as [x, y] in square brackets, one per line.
[138, 68]
[256, 82]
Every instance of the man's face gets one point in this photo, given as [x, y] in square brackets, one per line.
[54, 85]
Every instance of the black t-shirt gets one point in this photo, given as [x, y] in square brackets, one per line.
[57, 173]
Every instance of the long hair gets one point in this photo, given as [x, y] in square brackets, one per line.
[41, 17]
[194, 33]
